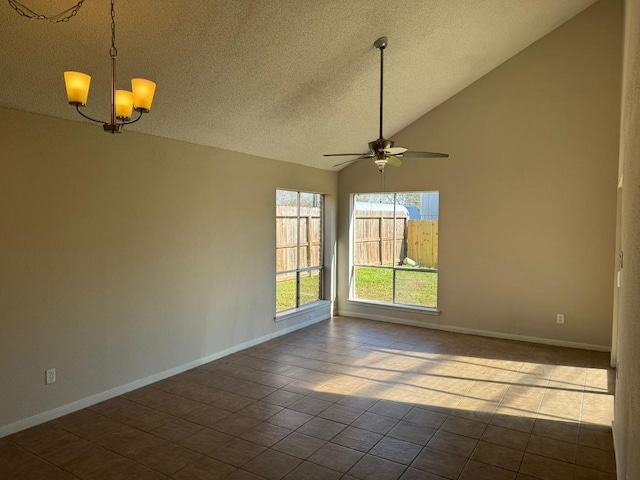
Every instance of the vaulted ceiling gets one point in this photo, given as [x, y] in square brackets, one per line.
[282, 79]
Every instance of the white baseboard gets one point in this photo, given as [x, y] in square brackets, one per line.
[472, 331]
[114, 392]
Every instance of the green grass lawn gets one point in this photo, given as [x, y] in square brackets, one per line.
[286, 292]
[413, 287]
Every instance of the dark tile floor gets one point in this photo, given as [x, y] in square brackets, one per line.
[345, 399]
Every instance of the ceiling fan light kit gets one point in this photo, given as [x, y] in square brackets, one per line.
[123, 102]
[382, 150]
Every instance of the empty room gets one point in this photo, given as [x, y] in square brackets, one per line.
[296, 240]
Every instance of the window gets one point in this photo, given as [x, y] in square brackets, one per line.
[395, 248]
[298, 249]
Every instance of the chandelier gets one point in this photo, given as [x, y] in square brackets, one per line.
[123, 102]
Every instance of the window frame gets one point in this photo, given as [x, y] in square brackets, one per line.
[393, 304]
[320, 268]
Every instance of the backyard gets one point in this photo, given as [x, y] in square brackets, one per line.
[413, 287]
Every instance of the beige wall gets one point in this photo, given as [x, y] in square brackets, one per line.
[125, 256]
[627, 405]
[528, 196]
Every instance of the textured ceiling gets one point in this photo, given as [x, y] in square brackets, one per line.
[282, 79]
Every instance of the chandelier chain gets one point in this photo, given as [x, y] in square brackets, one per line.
[113, 51]
[63, 16]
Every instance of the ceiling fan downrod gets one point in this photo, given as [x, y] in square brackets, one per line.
[381, 44]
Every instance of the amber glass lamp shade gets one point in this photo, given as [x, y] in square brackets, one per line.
[124, 104]
[143, 91]
[77, 87]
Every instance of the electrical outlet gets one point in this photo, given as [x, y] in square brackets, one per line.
[560, 318]
[50, 376]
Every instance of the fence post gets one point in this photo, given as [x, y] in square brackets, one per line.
[381, 247]
[309, 234]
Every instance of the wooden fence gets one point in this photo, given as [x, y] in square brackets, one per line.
[374, 244]
[287, 238]
[373, 239]
[422, 242]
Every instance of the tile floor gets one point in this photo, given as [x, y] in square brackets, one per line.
[345, 399]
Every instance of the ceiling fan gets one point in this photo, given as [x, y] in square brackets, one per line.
[382, 150]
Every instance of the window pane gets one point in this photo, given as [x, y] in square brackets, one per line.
[298, 246]
[310, 229]
[417, 288]
[286, 198]
[285, 291]
[315, 250]
[310, 200]
[286, 230]
[373, 284]
[377, 221]
[309, 287]
[286, 258]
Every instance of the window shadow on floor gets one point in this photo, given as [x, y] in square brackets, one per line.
[347, 399]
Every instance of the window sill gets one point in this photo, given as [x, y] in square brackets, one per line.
[394, 306]
[306, 312]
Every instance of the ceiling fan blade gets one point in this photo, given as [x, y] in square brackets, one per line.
[394, 161]
[342, 154]
[394, 150]
[425, 154]
[349, 161]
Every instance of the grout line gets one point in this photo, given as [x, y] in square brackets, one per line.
[333, 366]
